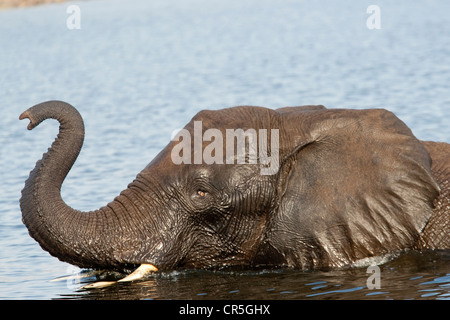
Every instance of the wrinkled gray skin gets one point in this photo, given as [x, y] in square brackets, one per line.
[351, 184]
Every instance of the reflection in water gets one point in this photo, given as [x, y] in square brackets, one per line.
[411, 276]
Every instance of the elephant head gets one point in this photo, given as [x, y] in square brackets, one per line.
[313, 188]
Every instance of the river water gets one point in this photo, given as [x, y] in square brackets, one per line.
[137, 70]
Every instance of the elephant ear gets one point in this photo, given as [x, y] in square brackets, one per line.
[353, 184]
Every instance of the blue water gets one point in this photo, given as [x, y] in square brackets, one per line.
[137, 70]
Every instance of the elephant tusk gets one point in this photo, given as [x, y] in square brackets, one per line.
[143, 270]
[97, 285]
[139, 273]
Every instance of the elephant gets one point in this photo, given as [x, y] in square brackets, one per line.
[346, 185]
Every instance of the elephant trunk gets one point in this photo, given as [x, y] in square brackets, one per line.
[95, 239]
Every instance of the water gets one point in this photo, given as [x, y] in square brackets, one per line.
[139, 70]
[412, 276]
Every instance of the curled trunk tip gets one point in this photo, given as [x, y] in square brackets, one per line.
[26, 115]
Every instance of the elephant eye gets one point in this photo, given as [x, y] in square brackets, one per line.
[201, 193]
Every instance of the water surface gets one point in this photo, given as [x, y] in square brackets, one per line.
[411, 276]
